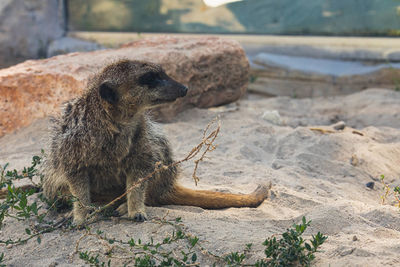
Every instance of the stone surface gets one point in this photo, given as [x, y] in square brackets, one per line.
[27, 27]
[215, 70]
[67, 45]
[283, 75]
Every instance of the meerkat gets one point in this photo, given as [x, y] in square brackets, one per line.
[104, 141]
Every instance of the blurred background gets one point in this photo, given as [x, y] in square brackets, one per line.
[297, 48]
[283, 17]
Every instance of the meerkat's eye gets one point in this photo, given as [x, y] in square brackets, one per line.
[151, 79]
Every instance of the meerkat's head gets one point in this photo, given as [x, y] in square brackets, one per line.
[127, 87]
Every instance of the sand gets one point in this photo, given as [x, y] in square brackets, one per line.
[312, 174]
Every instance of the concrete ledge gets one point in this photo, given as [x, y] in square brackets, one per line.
[346, 48]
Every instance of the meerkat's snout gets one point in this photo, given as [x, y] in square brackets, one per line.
[184, 90]
[169, 90]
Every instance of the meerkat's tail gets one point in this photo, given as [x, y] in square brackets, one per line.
[216, 200]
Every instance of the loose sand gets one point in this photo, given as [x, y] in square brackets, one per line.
[311, 172]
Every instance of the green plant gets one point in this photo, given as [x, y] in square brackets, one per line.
[291, 249]
[6, 177]
[389, 191]
[147, 253]
[2, 260]
[93, 260]
[16, 199]
[17, 205]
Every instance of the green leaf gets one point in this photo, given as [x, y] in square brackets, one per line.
[39, 240]
[28, 231]
[193, 241]
[194, 257]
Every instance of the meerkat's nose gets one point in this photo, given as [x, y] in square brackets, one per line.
[184, 91]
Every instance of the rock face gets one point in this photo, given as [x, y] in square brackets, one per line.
[27, 27]
[215, 70]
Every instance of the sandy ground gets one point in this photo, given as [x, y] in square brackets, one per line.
[311, 172]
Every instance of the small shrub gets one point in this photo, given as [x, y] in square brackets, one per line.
[291, 249]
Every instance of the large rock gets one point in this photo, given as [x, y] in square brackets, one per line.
[27, 27]
[215, 70]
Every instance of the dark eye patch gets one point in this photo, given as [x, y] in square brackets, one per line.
[150, 79]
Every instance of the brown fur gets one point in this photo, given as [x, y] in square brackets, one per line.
[104, 141]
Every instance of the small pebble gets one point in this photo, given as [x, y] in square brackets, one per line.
[354, 160]
[370, 185]
[339, 125]
[272, 116]
[355, 238]
[9, 246]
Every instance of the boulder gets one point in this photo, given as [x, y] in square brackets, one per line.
[27, 27]
[215, 70]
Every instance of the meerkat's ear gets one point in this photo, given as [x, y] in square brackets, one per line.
[108, 92]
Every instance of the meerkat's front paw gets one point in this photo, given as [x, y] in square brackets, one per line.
[138, 216]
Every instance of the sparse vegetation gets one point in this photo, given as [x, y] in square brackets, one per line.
[178, 248]
[290, 250]
[388, 191]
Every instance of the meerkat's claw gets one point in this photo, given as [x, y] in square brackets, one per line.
[140, 217]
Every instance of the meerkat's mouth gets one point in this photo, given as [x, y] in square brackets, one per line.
[171, 93]
[163, 101]
[171, 96]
